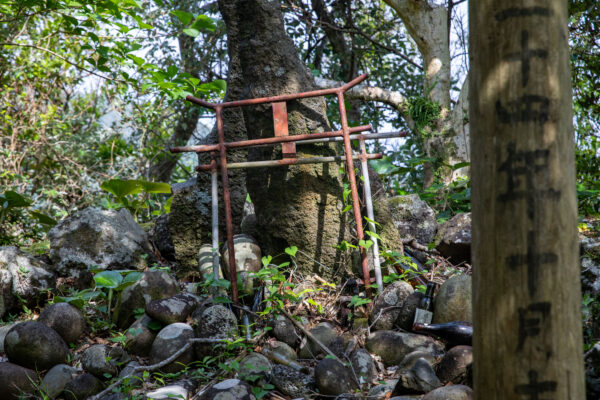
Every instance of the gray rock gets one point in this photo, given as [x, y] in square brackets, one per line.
[33, 345]
[102, 361]
[590, 247]
[452, 392]
[230, 389]
[161, 237]
[411, 358]
[406, 317]
[247, 260]
[140, 336]
[590, 276]
[284, 350]
[413, 218]
[420, 378]
[106, 239]
[22, 275]
[255, 368]
[325, 333]
[388, 305]
[333, 378]
[453, 239]
[67, 320]
[153, 285]
[381, 392]
[16, 380]
[7, 300]
[82, 387]
[216, 322]
[284, 330]
[363, 365]
[3, 331]
[168, 341]
[453, 301]
[453, 367]
[291, 382]
[189, 222]
[57, 378]
[173, 309]
[392, 346]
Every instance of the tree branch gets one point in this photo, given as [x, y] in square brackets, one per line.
[370, 93]
[33, 46]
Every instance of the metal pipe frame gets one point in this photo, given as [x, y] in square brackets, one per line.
[222, 148]
[267, 141]
[293, 161]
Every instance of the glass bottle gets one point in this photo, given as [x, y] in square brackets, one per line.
[424, 311]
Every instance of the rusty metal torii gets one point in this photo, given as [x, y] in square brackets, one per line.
[289, 158]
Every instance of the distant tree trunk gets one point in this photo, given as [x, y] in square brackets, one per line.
[527, 300]
[427, 24]
[296, 205]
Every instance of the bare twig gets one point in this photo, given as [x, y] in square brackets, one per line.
[310, 335]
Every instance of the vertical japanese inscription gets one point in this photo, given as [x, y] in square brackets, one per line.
[534, 389]
[527, 179]
[531, 321]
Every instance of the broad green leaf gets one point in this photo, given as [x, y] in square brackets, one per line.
[183, 16]
[108, 279]
[129, 280]
[11, 199]
[121, 188]
[43, 218]
[204, 22]
[191, 32]
[155, 187]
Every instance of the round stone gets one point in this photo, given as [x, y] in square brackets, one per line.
[67, 320]
[34, 345]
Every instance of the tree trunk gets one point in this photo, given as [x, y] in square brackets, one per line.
[527, 300]
[295, 205]
[427, 24]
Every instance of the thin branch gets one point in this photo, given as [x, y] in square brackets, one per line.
[370, 93]
[310, 335]
[385, 47]
[64, 59]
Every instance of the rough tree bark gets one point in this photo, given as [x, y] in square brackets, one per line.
[296, 205]
[527, 299]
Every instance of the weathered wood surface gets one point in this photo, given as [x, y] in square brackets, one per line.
[527, 300]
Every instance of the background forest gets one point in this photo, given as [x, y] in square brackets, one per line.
[93, 91]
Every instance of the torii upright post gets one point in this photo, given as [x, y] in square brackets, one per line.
[527, 296]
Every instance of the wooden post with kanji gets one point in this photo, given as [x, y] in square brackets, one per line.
[527, 298]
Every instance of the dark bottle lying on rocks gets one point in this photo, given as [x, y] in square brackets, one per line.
[455, 332]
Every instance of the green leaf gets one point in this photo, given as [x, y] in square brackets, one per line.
[460, 165]
[291, 251]
[183, 16]
[121, 188]
[11, 199]
[43, 218]
[129, 280]
[108, 279]
[191, 32]
[204, 22]
[155, 187]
